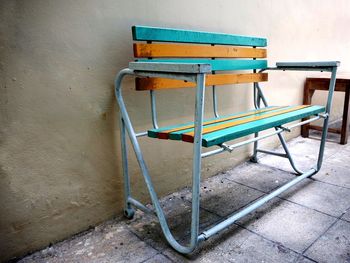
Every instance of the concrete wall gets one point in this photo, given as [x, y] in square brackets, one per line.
[59, 157]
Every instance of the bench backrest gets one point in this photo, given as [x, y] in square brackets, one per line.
[223, 51]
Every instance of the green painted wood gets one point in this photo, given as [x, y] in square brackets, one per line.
[170, 67]
[145, 33]
[178, 134]
[153, 133]
[217, 64]
[235, 132]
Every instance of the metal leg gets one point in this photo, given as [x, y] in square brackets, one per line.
[128, 210]
[199, 109]
[257, 100]
[153, 109]
[326, 119]
[197, 159]
[259, 96]
[345, 123]
[288, 154]
[215, 102]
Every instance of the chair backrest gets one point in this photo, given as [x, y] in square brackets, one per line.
[225, 52]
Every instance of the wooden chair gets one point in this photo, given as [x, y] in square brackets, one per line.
[195, 59]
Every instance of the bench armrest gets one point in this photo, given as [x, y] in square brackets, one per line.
[193, 68]
[312, 66]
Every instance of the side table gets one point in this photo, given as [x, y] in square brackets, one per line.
[322, 83]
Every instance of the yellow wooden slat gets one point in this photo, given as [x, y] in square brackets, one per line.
[189, 136]
[218, 79]
[195, 51]
[165, 133]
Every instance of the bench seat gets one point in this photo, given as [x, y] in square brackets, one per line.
[226, 128]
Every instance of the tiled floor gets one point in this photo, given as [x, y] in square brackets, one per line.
[308, 223]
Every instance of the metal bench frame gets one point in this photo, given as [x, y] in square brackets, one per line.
[196, 73]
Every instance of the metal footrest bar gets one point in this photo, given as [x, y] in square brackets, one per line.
[140, 134]
[284, 155]
[140, 206]
[229, 221]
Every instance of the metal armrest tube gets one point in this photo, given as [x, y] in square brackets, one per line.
[305, 66]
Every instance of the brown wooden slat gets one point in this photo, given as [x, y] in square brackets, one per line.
[195, 51]
[217, 79]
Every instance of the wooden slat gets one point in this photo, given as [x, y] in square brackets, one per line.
[178, 135]
[163, 133]
[234, 132]
[144, 33]
[218, 79]
[217, 64]
[195, 51]
[213, 128]
[170, 67]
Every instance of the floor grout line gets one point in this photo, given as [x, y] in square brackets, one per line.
[258, 234]
[270, 240]
[242, 226]
[336, 221]
[324, 182]
[324, 232]
[284, 199]
[144, 241]
[150, 257]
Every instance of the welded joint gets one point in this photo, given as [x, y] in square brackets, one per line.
[323, 115]
[284, 128]
[202, 237]
[226, 147]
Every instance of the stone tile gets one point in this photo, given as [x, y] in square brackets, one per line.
[346, 216]
[340, 159]
[292, 225]
[238, 245]
[302, 259]
[159, 258]
[330, 199]
[333, 246]
[304, 152]
[223, 197]
[337, 175]
[177, 257]
[222, 248]
[259, 176]
[107, 243]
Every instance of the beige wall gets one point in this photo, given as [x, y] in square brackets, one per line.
[59, 157]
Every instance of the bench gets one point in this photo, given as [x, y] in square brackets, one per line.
[173, 58]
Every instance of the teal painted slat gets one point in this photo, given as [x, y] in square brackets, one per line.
[235, 132]
[178, 135]
[218, 64]
[145, 33]
[153, 133]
